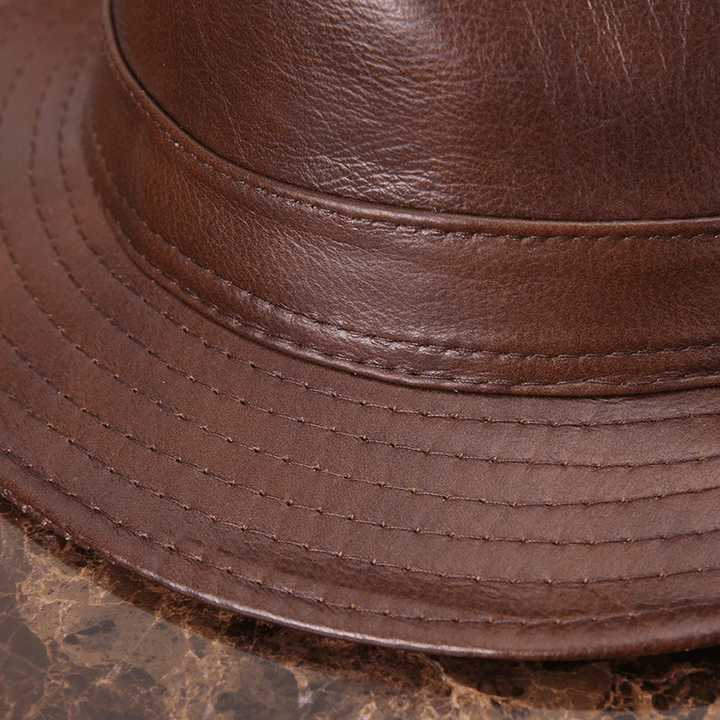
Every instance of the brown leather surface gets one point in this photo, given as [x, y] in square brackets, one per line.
[430, 299]
[247, 475]
[551, 109]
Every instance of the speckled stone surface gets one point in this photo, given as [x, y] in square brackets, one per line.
[81, 639]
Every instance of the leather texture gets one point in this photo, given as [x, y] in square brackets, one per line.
[543, 110]
[433, 299]
[158, 415]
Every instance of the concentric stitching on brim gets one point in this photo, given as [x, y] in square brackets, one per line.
[32, 470]
[122, 525]
[165, 408]
[205, 429]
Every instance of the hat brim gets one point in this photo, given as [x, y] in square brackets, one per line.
[449, 522]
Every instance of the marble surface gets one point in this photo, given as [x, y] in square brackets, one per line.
[81, 639]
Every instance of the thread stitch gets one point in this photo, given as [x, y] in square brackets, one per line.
[362, 438]
[335, 395]
[181, 416]
[398, 446]
[353, 607]
[439, 349]
[305, 546]
[284, 459]
[395, 409]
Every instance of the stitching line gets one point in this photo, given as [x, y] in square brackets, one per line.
[428, 452]
[352, 607]
[349, 517]
[301, 420]
[179, 143]
[334, 394]
[173, 412]
[436, 348]
[273, 537]
[363, 438]
[202, 561]
[242, 401]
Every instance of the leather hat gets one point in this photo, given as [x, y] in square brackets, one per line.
[391, 321]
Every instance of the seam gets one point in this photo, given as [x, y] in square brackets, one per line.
[181, 416]
[205, 429]
[360, 402]
[244, 527]
[242, 401]
[436, 348]
[427, 452]
[363, 438]
[179, 143]
[204, 562]
[176, 414]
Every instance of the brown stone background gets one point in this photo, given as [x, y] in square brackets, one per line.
[81, 639]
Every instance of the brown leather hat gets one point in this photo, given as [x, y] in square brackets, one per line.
[392, 321]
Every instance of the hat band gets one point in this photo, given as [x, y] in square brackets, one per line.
[432, 299]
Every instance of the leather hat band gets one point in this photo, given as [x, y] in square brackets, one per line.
[432, 299]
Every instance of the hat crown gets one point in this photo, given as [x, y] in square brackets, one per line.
[543, 110]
